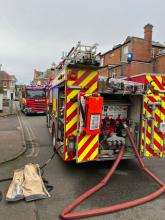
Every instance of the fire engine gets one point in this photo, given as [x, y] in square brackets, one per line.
[33, 99]
[86, 112]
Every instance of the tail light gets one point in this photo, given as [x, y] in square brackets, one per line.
[71, 145]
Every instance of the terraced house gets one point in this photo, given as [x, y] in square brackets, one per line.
[7, 85]
[148, 56]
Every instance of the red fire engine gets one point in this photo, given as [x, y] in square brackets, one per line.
[94, 118]
[86, 113]
[33, 99]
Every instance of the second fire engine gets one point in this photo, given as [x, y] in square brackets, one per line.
[33, 99]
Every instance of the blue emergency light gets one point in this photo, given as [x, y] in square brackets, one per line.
[129, 57]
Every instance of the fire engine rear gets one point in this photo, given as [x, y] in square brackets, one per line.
[87, 114]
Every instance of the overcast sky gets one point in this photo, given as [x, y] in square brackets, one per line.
[33, 33]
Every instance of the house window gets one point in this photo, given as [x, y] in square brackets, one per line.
[152, 52]
[125, 50]
[4, 84]
[11, 83]
[102, 61]
[112, 74]
[5, 93]
[124, 53]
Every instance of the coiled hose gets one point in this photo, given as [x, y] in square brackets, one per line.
[67, 212]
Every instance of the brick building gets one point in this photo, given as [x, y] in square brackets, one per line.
[42, 77]
[148, 56]
[7, 84]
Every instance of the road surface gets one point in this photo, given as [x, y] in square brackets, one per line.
[71, 180]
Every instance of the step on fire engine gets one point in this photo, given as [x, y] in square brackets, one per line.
[86, 112]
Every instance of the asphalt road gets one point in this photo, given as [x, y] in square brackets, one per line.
[71, 180]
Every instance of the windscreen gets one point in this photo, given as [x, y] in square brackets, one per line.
[32, 94]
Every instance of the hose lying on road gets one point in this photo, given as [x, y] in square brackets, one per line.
[41, 167]
[67, 212]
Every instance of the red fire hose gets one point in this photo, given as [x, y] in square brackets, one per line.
[67, 212]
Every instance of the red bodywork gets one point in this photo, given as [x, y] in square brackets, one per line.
[34, 100]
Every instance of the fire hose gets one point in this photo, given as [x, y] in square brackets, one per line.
[67, 212]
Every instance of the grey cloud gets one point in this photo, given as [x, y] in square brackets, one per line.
[34, 33]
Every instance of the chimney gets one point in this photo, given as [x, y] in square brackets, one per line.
[148, 39]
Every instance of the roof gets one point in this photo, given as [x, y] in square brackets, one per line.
[6, 76]
[157, 44]
[128, 39]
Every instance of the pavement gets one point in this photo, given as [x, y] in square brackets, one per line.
[11, 136]
[8, 111]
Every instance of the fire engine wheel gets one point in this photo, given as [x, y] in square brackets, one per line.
[48, 120]
[54, 142]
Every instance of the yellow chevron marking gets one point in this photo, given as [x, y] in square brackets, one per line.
[92, 88]
[148, 113]
[66, 156]
[71, 109]
[149, 92]
[94, 154]
[159, 78]
[72, 94]
[70, 83]
[159, 113]
[71, 123]
[88, 79]
[74, 132]
[148, 140]
[157, 98]
[149, 78]
[156, 136]
[82, 142]
[80, 73]
[143, 135]
[163, 103]
[148, 154]
[84, 153]
[163, 106]
[82, 84]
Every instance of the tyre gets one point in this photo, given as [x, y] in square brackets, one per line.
[48, 120]
[54, 141]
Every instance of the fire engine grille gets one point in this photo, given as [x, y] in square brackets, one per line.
[36, 106]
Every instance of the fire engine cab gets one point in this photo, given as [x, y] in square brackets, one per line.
[86, 113]
[33, 99]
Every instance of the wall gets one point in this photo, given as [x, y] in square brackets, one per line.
[112, 57]
[160, 64]
[139, 50]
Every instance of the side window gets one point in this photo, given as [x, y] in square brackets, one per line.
[61, 102]
[61, 110]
